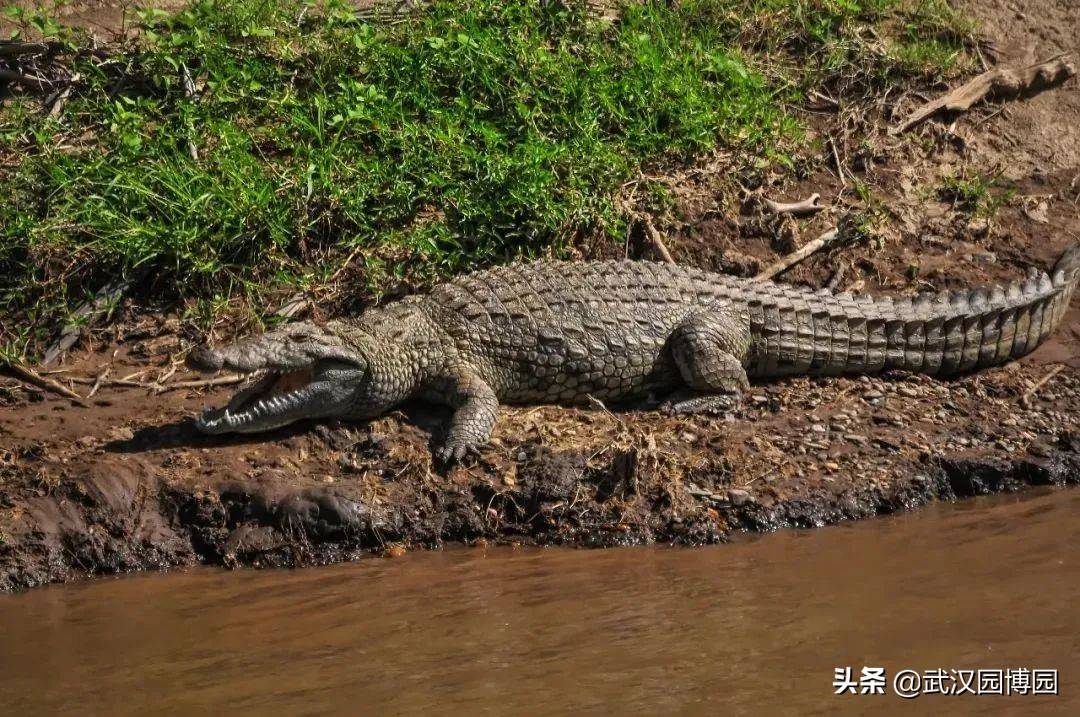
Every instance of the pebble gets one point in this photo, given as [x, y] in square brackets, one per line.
[123, 433]
[348, 463]
[739, 497]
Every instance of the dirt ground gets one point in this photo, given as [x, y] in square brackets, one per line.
[124, 482]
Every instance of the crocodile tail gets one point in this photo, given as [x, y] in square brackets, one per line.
[967, 330]
[1068, 266]
[940, 333]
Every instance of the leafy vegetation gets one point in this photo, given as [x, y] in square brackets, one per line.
[242, 143]
[978, 194]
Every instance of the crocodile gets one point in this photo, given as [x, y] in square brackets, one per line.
[565, 332]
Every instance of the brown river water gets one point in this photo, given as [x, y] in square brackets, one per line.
[754, 627]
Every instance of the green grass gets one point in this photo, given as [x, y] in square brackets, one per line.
[978, 194]
[473, 133]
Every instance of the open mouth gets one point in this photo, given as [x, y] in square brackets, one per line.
[302, 372]
[275, 398]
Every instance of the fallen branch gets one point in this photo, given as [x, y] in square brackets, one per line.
[655, 239]
[18, 49]
[69, 335]
[20, 78]
[998, 84]
[32, 377]
[810, 205]
[785, 263]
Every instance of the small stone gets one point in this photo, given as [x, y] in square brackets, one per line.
[873, 395]
[1039, 448]
[350, 464]
[739, 497]
[908, 391]
[122, 433]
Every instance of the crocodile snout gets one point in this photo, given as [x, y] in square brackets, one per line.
[205, 359]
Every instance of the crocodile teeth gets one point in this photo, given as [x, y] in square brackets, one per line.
[251, 412]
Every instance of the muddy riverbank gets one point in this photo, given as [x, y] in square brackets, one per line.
[126, 483]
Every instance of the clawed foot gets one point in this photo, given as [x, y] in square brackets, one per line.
[454, 451]
[713, 404]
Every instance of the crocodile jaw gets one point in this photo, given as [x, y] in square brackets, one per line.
[275, 400]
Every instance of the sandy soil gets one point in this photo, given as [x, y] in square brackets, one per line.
[125, 482]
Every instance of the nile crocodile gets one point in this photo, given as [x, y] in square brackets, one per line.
[561, 332]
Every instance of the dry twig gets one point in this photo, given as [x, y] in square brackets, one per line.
[31, 376]
[654, 238]
[98, 381]
[228, 380]
[786, 262]
[1030, 393]
[293, 305]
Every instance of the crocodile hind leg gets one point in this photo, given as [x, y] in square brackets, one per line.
[709, 348]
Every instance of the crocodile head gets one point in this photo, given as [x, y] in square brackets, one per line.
[307, 371]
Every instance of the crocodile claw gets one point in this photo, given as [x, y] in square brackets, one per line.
[451, 453]
[714, 404]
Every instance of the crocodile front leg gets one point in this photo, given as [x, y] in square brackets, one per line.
[475, 409]
[709, 348]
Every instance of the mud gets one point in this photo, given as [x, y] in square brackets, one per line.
[125, 483]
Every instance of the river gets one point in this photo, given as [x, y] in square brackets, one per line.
[753, 627]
